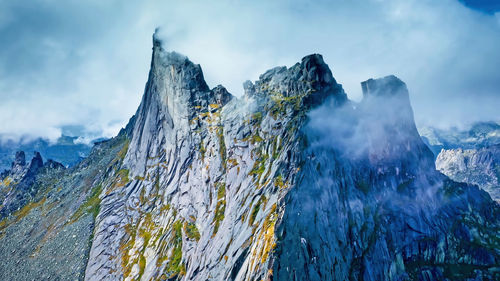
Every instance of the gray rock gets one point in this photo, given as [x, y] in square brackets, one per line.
[480, 166]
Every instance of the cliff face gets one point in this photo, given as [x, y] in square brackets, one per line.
[292, 181]
[369, 205]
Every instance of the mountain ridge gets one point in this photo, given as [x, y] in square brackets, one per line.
[468, 155]
[480, 166]
[66, 150]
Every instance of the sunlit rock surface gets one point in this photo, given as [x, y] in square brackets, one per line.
[292, 181]
[479, 166]
[470, 155]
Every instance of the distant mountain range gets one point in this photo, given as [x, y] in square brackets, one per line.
[480, 134]
[66, 150]
[471, 155]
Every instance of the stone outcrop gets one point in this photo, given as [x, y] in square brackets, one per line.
[18, 184]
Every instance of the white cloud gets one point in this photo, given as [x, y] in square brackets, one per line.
[87, 63]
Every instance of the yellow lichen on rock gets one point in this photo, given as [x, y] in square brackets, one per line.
[265, 242]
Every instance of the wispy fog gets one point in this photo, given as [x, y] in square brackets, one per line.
[85, 63]
[379, 127]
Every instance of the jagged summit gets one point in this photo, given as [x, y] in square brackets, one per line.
[173, 67]
[37, 160]
[388, 97]
[314, 68]
[171, 71]
[157, 42]
[386, 86]
[310, 82]
[17, 184]
[310, 79]
[20, 167]
[176, 94]
[20, 159]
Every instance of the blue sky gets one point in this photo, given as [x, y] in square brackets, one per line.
[486, 6]
[81, 66]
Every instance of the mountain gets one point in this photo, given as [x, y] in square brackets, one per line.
[66, 150]
[480, 166]
[292, 181]
[479, 135]
[471, 155]
[18, 184]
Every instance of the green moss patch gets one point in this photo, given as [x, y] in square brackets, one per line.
[191, 231]
[175, 266]
[220, 207]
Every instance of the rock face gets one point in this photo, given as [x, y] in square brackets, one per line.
[292, 181]
[474, 166]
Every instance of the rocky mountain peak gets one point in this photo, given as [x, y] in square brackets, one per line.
[35, 164]
[175, 69]
[36, 160]
[157, 42]
[175, 80]
[315, 69]
[387, 118]
[175, 97]
[386, 86]
[19, 161]
[310, 81]
[388, 97]
[16, 184]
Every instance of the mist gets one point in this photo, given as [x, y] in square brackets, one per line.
[379, 128]
[377, 141]
[84, 64]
